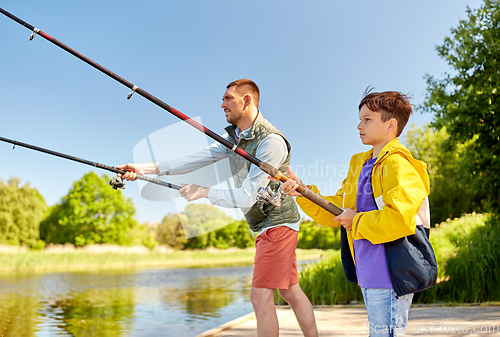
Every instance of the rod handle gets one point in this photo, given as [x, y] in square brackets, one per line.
[306, 192]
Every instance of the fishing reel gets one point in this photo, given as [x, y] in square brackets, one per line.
[117, 183]
[268, 196]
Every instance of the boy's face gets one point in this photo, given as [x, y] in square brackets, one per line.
[372, 130]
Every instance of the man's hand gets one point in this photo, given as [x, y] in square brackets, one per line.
[192, 192]
[290, 186]
[346, 218]
[134, 169]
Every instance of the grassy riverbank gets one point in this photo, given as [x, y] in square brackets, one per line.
[467, 251]
[78, 260]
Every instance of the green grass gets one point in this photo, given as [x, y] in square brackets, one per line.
[468, 255]
[324, 283]
[448, 236]
[80, 260]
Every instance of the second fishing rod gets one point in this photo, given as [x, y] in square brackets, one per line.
[116, 183]
[265, 167]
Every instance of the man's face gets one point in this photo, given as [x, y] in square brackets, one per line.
[372, 130]
[233, 104]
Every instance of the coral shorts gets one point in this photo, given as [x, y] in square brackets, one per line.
[275, 264]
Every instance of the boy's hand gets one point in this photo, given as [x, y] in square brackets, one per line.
[345, 218]
[290, 186]
[192, 192]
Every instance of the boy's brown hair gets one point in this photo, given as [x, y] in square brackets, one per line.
[245, 86]
[390, 104]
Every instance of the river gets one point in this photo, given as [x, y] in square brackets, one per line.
[138, 302]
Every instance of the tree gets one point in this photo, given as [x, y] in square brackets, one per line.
[314, 236]
[201, 218]
[170, 232]
[466, 102]
[206, 226]
[21, 210]
[92, 212]
[236, 234]
[452, 193]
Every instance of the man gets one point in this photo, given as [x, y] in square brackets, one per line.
[275, 265]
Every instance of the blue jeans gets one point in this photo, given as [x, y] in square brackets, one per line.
[387, 313]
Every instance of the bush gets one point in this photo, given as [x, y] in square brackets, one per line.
[170, 232]
[325, 283]
[198, 219]
[468, 254]
[314, 236]
[448, 236]
[474, 271]
[142, 235]
[21, 210]
[236, 234]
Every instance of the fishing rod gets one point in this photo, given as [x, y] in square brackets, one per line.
[116, 183]
[267, 168]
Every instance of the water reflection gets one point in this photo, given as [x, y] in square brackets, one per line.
[207, 296]
[19, 315]
[151, 302]
[96, 312]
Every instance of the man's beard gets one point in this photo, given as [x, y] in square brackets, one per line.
[232, 118]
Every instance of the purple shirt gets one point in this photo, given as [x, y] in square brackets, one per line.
[371, 262]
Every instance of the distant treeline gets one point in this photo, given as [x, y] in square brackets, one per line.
[93, 213]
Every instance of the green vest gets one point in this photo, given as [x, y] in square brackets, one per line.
[260, 215]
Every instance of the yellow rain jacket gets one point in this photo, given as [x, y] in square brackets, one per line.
[400, 186]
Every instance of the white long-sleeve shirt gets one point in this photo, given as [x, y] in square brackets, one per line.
[272, 150]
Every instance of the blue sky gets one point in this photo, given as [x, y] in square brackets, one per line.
[312, 61]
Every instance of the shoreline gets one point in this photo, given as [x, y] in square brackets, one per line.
[112, 259]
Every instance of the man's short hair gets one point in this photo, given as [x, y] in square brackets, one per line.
[390, 104]
[245, 86]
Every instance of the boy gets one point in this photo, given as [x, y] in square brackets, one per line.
[384, 197]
